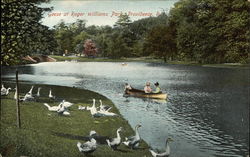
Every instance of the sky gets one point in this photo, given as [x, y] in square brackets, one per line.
[102, 12]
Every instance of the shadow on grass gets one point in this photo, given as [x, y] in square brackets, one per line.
[70, 136]
[99, 139]
[123, 151]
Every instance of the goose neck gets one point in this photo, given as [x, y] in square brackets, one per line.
[137, 132]
[118, 134]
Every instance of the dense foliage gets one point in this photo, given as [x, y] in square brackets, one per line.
[205, 31]
[212, 31]
[21, 32]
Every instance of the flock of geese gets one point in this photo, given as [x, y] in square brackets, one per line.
[91, 145]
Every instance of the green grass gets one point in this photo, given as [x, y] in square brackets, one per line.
[37, 136]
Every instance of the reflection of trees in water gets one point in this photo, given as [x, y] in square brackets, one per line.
[21, 70]
[222, 112]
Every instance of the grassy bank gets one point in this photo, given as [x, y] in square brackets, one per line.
[149, 60]
[46, 133]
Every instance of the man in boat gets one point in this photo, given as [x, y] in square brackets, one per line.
[147, 88]
[127, 87]
[157, 88]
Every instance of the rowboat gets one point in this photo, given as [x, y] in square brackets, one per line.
[142, 94]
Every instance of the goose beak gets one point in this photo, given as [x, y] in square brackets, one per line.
[139, 125]
[120, 129]
[169, 140]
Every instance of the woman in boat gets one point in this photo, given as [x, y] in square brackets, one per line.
[157, 88]
[147, 88]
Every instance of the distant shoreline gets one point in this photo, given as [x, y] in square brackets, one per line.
[148, 60]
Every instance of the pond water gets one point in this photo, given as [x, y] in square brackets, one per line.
[207, 114]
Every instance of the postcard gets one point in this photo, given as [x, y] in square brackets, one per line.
[125, 78]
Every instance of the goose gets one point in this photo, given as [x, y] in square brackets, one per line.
[133, 141]
[93, 110]
[38, 92]
[163, 154]
[92, 107]
[87, 147]
[52, 108]
[66, 104]
[3, 89]
[30, 91]
[21, 98]
[50, 95]
[99, 139]
[95, 113]
[92, 133]
[115, 142]
[104, 107]
[81, 107]
[28, 96]
[5, 92]
[106, 113]
[62, 110]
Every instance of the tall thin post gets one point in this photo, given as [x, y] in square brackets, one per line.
[17, 102]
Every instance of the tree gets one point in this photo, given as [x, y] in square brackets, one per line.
[212, 31]
[123, 21]
[117, 47]
[160, 42]
[90, 49]
[22, 33]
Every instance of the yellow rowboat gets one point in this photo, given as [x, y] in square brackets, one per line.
[142, 94]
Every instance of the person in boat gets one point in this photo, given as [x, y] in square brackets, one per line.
[147, 88]
[127, 87]
[157, 88]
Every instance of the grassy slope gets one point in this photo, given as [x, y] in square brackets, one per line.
[36, 137]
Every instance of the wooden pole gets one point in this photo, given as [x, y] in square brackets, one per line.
[17, 102]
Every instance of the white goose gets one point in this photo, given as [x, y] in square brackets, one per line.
[163, 154]
[81, 107]
[63, 110]
[92, 107]
[50, 95]
[93, 110]
[104, 107]
[87, 147]
[30, 91]
[52, 108]
[38, 92]
[66, 104]
[115, 142]
[28, 96]
[133, 141]
[15, 96]
[106, 113]
[5, 91]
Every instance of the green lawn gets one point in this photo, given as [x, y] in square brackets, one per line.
[41, 132]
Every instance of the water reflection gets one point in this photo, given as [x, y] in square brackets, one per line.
[207, 113]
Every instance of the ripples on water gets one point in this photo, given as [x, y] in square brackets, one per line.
[207, 113]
